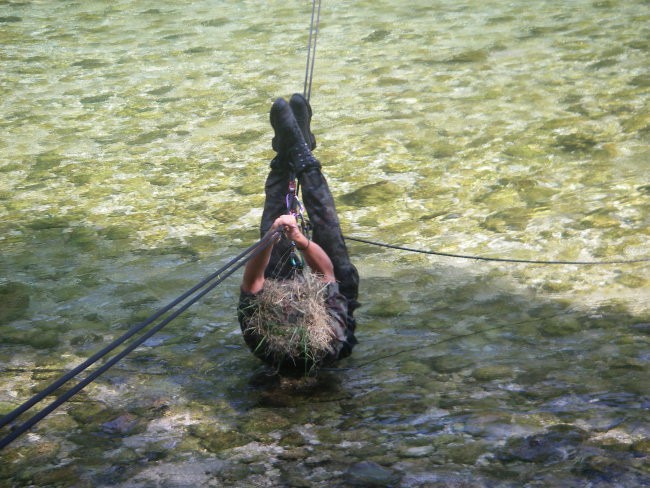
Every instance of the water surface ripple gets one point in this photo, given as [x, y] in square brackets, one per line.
[134, 139]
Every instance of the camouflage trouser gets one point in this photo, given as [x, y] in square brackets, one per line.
[319, 204]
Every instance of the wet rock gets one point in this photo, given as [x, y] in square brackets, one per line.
[83, 238]
[124, 456]
[90, 413]
[643, 328]
[642, 446]
[560, 327]
[516, 218]
[631, 280]
[599, 468]
[556, 286]
[389, 307]
[373, 194]
[368, 450]
[236, 472]
[441, 150]
[294, 478]
[466, 453]
[199, 472]
[533, 193]
[414, 368]
[104, 97]
[370, 474]
[216, 22]
[376, 35]
[491, 373]
[470, 56]
[46, 339]
[318, 459]
[40, 453]
[576, 142]
[123, 425]
[85, 339]
[215, 439]
[603, 218]
[294, 454]
[292, 439]
[90, 63]
[449, 364]
[59, 476]
[416, 451]
[641, 81]
[552, 446]
[14, 298]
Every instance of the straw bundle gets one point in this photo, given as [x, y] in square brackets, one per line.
[291, 318]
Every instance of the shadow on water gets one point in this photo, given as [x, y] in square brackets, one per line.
[462, 375]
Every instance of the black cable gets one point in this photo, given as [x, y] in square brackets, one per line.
[253, 250]
[503, 260]
[117, 342]
[311, 52]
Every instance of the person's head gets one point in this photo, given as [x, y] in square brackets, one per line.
[291, 318]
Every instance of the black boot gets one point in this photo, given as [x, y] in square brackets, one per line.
[279, 162]
[302, 111]
[289, 141]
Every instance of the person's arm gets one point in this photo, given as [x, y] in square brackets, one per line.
[253, 280]
[316, 258]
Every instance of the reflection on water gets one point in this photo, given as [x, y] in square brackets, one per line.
[134, 139]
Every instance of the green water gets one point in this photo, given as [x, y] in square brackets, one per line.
[134, 140]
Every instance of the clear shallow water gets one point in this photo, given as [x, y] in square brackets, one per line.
[133, 144]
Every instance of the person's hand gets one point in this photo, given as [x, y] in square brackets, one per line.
[289, 225]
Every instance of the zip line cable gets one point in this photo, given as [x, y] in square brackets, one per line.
[311, 51]
[243, 258]
[502, 260]
[120, 340]
[309, 75]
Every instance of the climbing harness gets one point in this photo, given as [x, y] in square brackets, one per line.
[201, 289]
[295, 208]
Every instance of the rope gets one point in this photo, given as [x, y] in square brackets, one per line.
[244, 257]
[502, 260]
[311, 51]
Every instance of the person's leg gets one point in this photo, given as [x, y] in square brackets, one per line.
[316, 194]
[327, 232]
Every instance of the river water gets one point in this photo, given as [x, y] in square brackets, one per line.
[134, 143]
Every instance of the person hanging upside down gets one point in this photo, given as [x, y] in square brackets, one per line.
[296, 318]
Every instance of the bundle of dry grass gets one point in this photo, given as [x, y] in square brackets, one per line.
[292, 319]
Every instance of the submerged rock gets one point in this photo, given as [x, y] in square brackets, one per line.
[14, 300]
[367, 473]
[493, 372]
[548, 447]
[125, 424]
[216, 439]
[469, 56]
[576, 142]
[373, 194]
[449, 364]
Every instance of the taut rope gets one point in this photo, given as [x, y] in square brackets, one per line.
[311, 49]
